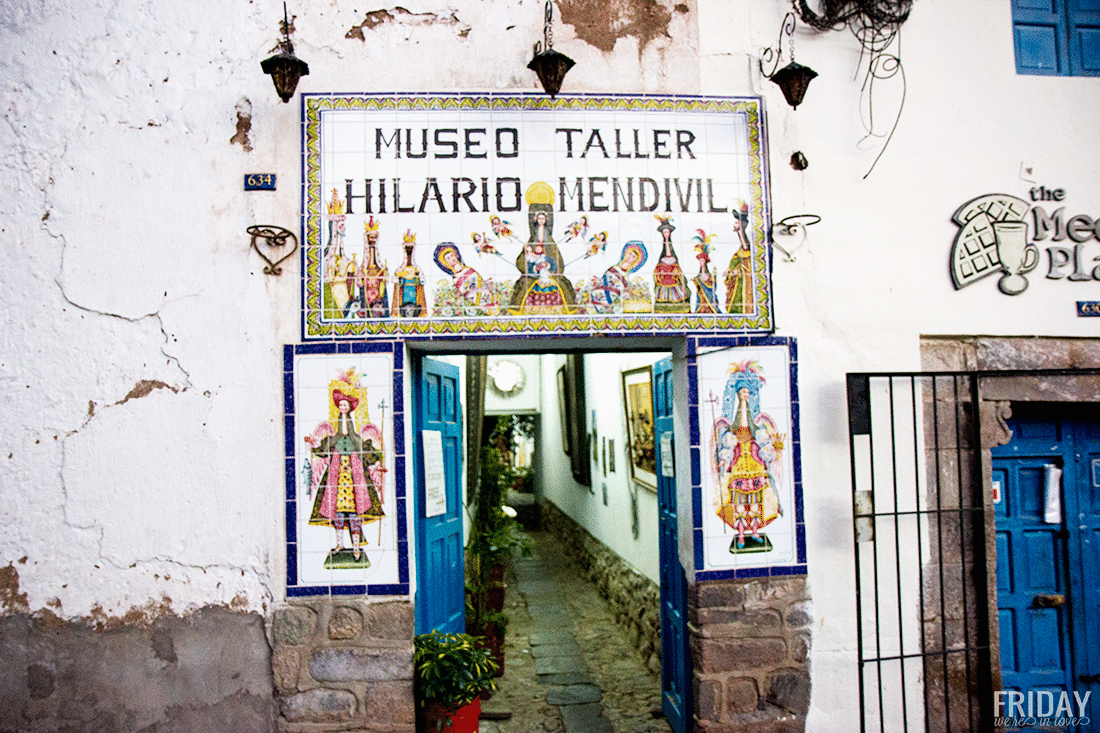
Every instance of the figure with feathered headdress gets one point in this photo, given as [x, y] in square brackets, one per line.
[747, 448]
[706, 296]
[347, 470]
[670, 292]
[740, 294]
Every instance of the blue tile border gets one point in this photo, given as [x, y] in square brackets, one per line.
[291, 478]
[774, 571]
[305, 591]
[700, 345]
[294, 587]
[697, 344]
[349, 590]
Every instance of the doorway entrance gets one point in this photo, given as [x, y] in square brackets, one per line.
[1046, 499]
[595, 437]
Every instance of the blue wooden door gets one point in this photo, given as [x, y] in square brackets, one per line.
[440, 586]
[1047, 594]
[675, 659]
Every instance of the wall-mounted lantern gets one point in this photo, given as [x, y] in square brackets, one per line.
[793, 78]
[284, 67]
[550, 65]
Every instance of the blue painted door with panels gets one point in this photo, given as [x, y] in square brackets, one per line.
[1048, 554]
[437, 439]
[675, 659]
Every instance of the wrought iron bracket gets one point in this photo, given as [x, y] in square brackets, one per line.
[273, 237]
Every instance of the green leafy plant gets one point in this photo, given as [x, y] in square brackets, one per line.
[499, 619]
[451, 669]
[495, 535]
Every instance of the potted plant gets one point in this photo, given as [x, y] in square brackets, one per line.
[491, 636]
[495, 536]
[452, 673]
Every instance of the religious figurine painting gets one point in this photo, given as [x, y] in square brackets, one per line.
[748, 463]
[345, 491]
[529, 277]
[502, 213]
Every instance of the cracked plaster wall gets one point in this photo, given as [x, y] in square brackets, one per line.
[140, 369]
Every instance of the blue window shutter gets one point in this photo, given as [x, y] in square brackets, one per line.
[1084, 37]
[1039, 33]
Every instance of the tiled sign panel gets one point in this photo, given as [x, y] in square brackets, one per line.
[748, 445]
[520, 214]
[345, 489]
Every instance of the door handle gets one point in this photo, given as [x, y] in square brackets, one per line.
[1089, 679]
[1042, 600]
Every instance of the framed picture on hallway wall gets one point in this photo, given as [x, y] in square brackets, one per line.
[638, 405]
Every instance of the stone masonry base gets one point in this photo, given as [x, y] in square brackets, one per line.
[344, 664]
[210, 671]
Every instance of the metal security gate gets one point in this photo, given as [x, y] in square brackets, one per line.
[921, 552]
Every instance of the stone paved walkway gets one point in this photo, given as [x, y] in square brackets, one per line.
[569, 668]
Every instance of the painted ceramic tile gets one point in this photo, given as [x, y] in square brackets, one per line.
[512, 213]
[345, 497]
[749, 510]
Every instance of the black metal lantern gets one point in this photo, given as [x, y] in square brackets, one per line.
[550, 65]
[793, 78]
[284, 67]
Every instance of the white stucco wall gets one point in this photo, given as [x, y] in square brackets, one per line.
[525, 399]
[610, 524]
[141, 363]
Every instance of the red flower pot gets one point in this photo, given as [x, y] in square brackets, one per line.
[434, 717]
[494, 597]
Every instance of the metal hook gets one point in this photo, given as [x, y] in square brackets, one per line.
[766, 58]
[273, 236]
[789, 225]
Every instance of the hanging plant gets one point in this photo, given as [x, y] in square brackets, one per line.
[876, 24]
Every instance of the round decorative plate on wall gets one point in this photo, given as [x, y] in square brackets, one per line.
[506, 378]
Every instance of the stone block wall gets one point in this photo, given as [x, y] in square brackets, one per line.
[634, 598]
[209, 671]
[750, 647]
[344, 664]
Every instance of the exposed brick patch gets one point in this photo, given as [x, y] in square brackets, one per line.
[600, 23]
[10, 597]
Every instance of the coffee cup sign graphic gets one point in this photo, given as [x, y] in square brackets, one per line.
[1016, 255]
[992, 239]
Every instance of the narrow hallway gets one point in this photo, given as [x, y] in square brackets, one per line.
[569, 668]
